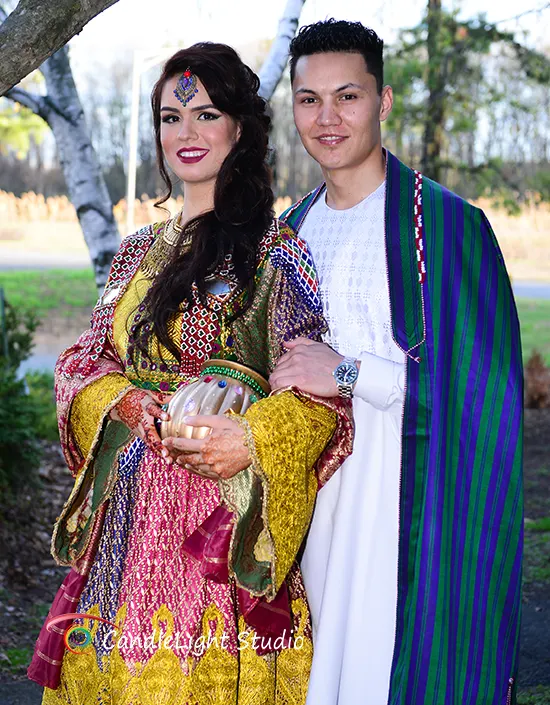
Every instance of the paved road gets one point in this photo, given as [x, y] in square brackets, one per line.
[531, 290]
[10, 260]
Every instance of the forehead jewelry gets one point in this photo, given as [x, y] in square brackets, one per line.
[186, 87]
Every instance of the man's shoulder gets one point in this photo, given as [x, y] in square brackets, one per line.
[434, 192]
[435, 197]
[285, 251]
[295, 213]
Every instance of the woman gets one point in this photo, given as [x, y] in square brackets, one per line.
[192, 570]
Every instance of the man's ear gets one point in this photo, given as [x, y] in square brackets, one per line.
[386, 102]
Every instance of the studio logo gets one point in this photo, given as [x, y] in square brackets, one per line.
[80, 636]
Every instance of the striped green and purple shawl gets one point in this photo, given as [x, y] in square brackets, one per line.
[461, 504]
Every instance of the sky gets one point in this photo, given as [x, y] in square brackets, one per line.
[148, 26]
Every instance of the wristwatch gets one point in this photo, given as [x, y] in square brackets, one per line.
[346, 375]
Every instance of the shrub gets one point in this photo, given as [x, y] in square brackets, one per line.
[537, 383]
[19, 450]
[41, 392]
[16, 335]
[19, 415]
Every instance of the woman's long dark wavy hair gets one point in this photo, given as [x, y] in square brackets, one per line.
[243, 198]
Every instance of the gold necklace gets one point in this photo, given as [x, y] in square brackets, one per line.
[162, 249]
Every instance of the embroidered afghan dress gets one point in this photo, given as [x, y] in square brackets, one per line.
[195, 580]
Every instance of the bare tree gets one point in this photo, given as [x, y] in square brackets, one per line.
[36, 29]
[274, 65]
[436, 80]
[62, 110]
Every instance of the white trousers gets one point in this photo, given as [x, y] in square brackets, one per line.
[350, 566]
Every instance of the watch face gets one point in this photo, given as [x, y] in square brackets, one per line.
[346, 373]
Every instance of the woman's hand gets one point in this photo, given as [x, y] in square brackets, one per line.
[222, 454]
[138, 410]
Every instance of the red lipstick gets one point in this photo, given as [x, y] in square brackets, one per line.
[191, 155]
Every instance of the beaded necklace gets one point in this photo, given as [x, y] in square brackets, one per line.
[162, 248]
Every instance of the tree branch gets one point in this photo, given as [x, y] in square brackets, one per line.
[273, 67]
[522, 14]
[35, 30]
[33, 101]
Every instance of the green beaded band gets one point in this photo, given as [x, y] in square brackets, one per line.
[235, 374]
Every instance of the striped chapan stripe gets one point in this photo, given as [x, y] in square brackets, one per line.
[461, 504]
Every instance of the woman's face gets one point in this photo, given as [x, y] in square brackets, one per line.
[196, 138]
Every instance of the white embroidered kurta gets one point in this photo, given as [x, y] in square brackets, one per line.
[350, 559]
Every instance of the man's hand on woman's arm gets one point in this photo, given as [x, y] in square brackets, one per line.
[307, 365]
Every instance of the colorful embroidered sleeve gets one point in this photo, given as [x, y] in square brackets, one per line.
[91, 406]
[90, 443]
[296, 440]
[296, 311]
[273, 499]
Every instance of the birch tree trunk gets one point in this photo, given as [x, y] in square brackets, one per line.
[274, 66]
[63, 112]
[36, 29]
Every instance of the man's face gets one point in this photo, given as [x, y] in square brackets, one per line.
[337, 109]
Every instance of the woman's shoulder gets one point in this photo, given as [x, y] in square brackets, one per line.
[281, 241]
[284, 250]
[137, 243]
[127, 260]
[147, 233]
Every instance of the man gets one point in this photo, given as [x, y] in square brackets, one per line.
[413, 560]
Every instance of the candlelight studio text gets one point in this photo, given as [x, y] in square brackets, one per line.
[197, 646]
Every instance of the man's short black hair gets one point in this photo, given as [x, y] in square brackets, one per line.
[340, 36]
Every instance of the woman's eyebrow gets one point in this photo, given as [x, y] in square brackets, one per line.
[203, 107]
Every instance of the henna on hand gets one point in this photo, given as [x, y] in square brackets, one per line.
[138, 410]
[130, 408]
[222, 454]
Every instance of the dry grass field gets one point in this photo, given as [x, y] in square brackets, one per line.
[35, 224]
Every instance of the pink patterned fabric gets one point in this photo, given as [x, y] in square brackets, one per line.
[209, 546]
[169, 508]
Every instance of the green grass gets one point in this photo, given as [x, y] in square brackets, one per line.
[60, 290]
[41, 390]
[536, 569]
[539, 695]
[19, 659]
[540, 525]
[534, 316]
